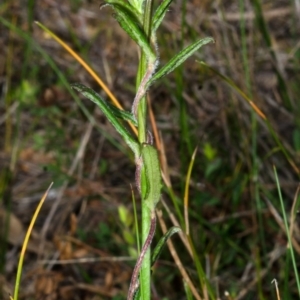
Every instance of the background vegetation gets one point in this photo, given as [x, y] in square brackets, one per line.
[84, 244]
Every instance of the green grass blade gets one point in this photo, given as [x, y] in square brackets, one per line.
[96, 98]
[178, 59]
[188, 292]
[204, 283]
[257, 204]
[288, 233]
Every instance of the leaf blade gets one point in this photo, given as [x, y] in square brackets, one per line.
[128, 6]
[160, 14]
[130, 23]
[106, 109]
[122, 114]
[151, 195]
[158, 248]
[178, 59]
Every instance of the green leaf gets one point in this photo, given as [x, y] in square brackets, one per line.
[178, 59]
[160, 14]
[129, 7]
[137, 4]
[153, 176]
[158, 249]
[106, 109]
[130, 23]
[122, 114]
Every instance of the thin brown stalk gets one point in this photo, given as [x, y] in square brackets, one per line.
[176, 258]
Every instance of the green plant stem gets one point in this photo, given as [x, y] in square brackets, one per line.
[290, 244]
[142, 107]
[145, 283]
[147, 244]
[254, 171]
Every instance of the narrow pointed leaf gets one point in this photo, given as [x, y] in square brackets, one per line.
[106, 109]
[130, 24]
[158, 248]
[127, 6]
[160, 14]
[178, 59]
[137, 4]
[122, 114]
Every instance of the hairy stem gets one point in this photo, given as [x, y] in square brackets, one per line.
[134, 284]
[145, 268]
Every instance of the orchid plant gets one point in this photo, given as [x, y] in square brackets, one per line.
[137, 18]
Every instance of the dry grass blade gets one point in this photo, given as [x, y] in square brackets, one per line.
[186, 193]
[273, 256]
[293, 211]
[85, 260]
[280, 222]
[25, 243]
[276, 288]
[180, 233]
[153, 123]
[176, 258]
[234, 86]
[258, 112]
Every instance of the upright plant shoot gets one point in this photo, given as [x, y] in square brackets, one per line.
[140, 23]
